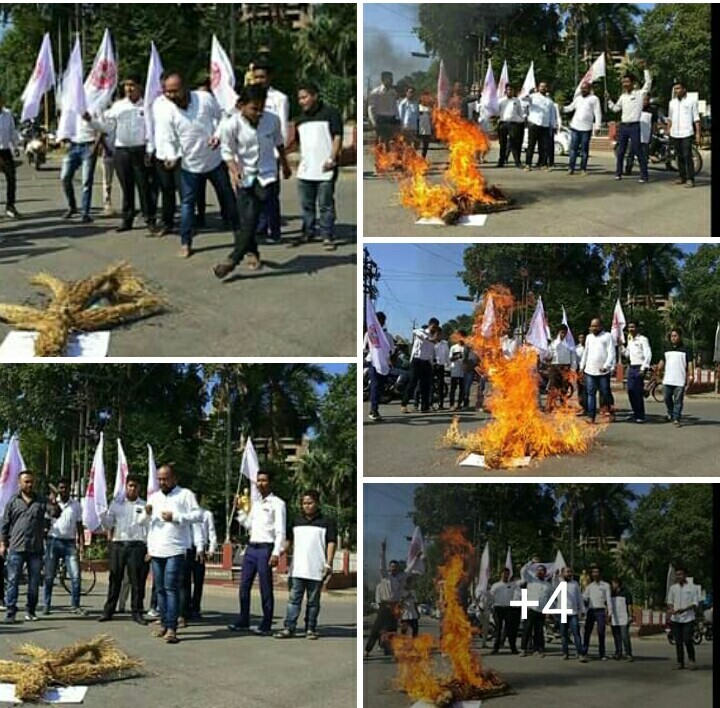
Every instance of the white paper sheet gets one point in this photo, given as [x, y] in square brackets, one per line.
[21, 345]
[472, 220]
[479, 461]
[69, 694]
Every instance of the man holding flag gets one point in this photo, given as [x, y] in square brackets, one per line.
[378, 345]
[588, 113]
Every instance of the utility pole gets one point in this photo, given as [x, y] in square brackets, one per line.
[371, 275]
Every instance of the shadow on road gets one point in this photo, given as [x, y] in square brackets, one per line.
[300, 265]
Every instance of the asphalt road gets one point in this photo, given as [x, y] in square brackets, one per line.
[649, 682]
[555, 205]
[409, 445]
[303, 303]
[212, 667]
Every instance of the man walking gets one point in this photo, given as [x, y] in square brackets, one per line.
[576, 604]
[440, 368]
[65, 539]
[683, 126]
[598, 361]
[167, 169]
[383, 109]
[421, 359]
[541, 109]
[313, 538]
[409, 114]
[21, 541]
[639, 354]
[678, 371]
[562, 361]
[377, 380]
[319, 132]
[597, 598]
[587, 114]
[682, 603]
[83, 153]
[507, 617]
[620, 618]
[458, 355]
[128, 523]
[205, 545]
[510, 127]
[8, 147]
[539, 589]
[265, 520]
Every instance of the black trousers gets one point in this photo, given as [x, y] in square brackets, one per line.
[537, 136]
[7, 167]
[168, 186]
[507, 622]
[133, 174]
[385, 621]
[185, 590]
[456, 387]
[439, 377]
[420, 374]
[683, 633]
[534, 627]
[684, 150]
[250, 204]
[130, 555]
[510, 135]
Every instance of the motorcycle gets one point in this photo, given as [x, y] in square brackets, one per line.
[36, 146]
[662, 151]
[697, 636]
[395, 383]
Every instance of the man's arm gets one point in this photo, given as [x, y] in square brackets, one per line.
[647, 360]
[212, 534]
[647, 86]
[609, 364]
[383, 563]
[690, 367]
[5, 527]
[570, 108]
[598, 113]
[372, 100]
[280, 522]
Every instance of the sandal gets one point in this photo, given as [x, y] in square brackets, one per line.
[222, 270]
[171, 638]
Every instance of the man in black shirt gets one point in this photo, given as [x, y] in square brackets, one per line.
[320, 132]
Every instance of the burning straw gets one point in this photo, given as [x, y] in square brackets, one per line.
[468, 680]
[518, 427]
[114, 297]
[84, 662]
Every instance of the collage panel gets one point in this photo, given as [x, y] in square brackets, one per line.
[540, 359]
[538, 119]
[522, 594]
[112, 242]
[164, 524]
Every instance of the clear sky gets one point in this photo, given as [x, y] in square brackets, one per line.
[420, 281]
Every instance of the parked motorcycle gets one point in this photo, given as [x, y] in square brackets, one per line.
[697, 636]
[662, 151]
[36, 145]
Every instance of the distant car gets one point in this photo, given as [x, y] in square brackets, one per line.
[562, 142]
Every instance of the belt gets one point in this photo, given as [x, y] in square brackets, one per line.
[90, 142]
[130, 543]
[261, 545]
[634, 366]
[635, 122]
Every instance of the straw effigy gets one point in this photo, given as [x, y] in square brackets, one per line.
[83, 662]
[112, 298]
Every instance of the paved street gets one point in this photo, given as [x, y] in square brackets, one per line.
[409, 445]
[649, 682]
[211, 667]
[302, 303]
[556, 205]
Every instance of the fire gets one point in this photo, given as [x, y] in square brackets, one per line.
[518, 427]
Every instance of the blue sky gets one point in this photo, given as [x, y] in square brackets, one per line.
[420, 281]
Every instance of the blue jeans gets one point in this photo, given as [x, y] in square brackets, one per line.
[621, 638]
[377, 384]
[298, 587]
[269, 218]
[674, 399]
[592, 617]
[630, 132]
[256, 561]
[14, 562]
[80, 155]
[168, 573]
[55, 549]
[580, 140]
[572, 625]
[190, 183]
[318, 197]
[593, 384]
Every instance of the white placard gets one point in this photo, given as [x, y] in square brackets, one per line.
[21, 345]
[479, 461]
[68, 694]
[472, 220]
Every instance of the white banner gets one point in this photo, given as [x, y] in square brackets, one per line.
[10, 476]
[41, 81]
[222, 76]
[103, 79]
[380, 347]
[94, 502]
[121, 474]
[74, 104]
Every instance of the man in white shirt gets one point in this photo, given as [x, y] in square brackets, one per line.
[204, 546]
[598, 361]
[377, 380]
[8, 147]
[313, 538]
[597, 598]
[250, 139]
[684, 126]
[587, 114]
[539, 589]
[639, 355]
[540, 109]
[168, 178]
[562, 361]
[507, 618]
[128, 523]
[266, 523]
[630, 104]
[620, 618]
[458, 356]
[576, 604]
[82, 155]
[421, 363]
[678, 370]
[442, 364]
[382, 109]
[64, 540]
[510, 127]
[409, 114]
[172, 511]
[682, 602]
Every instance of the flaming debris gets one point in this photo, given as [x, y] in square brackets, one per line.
[518, 427]
[464, 190]
[416, 672]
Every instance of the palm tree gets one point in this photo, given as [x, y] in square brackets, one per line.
[604, 510]
[654, 269]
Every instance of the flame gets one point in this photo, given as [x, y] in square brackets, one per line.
[518, 427]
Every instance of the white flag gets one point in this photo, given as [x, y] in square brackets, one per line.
[416, 554]
[670, 580]
[74, 104]
[10, 476]
[529, 84]
[120, 475]
[483, 579]
[508, 563]
[249, 468]
[152, 483]
[559, 564]
[618, 325]
[94, 502]
[222, 76]
[153, 89]
[380, 347]
[487, 329]
[102, 80]
[41, 81]
[489, 95]
[596, 72]
[443, 87]
[503, 83]
[537, 334]
[569, 340]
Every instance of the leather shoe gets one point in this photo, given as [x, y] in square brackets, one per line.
[105, 618]
[123, 228]
[222, 270]
[138, 619]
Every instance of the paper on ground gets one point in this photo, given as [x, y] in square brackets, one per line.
[472, 220]
[461, 704]
[21, 345]
[68, 694]
[479, 461]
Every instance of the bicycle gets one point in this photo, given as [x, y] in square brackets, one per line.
[88, 577]
[653, 385]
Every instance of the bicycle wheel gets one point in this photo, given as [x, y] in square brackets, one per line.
[658, 394]
[697, 637]
[88, 579]
[697, 161]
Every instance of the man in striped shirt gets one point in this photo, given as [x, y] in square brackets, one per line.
[677, 365]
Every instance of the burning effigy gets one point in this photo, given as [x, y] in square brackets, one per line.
[463, 190]
[518, 428]
[417, 672]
